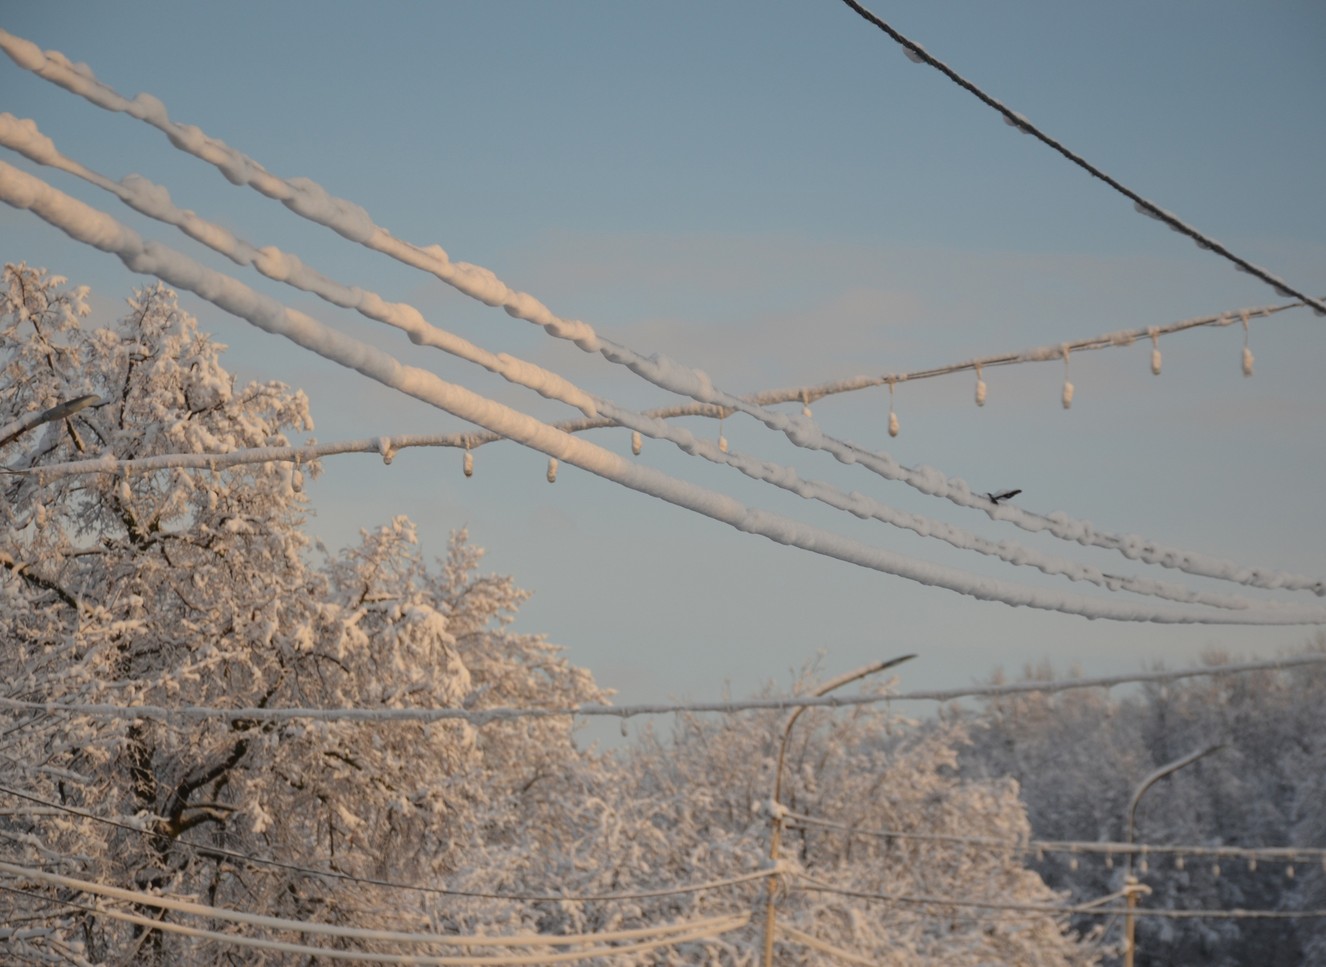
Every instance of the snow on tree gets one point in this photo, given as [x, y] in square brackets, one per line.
[694, 807]
[1079, 755]
[186, 587]
[181, 587]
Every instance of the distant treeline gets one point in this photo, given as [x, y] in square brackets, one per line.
[1079, 755]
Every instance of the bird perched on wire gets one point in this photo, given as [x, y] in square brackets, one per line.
[1007, 494]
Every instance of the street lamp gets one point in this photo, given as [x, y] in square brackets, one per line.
[777, 835]
[1130, 885]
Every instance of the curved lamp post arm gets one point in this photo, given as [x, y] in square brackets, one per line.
[1165, 770]
[1130, 885]
[776, 836]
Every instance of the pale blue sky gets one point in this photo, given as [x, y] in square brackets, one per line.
[773, 193]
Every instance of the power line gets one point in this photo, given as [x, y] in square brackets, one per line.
[94, 227]
[665, 936]
[148, 199]
[1049, 909]
[312, 202]
[1051, 352]
[1083, 909]
[179, 905]
[480, 717]
[217, 851]
[1281, 854]
[144, 196]
[915, 52]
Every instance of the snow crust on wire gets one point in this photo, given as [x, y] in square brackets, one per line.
[310, 200]
[94, 227]
[644, 938]
[154, 201]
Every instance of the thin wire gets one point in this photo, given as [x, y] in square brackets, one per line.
[486, 716]
[824, 947]
[1006, 551]
[180, 905]
[695, 930]
[1037, 354]
[217, 851]
[1281, 853]
[916, 52]
[1052, 910]
[1085, 909]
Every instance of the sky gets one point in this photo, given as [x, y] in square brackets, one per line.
[775, 195]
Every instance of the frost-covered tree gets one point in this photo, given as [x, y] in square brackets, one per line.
[1078, 756]
[694, 806]
[181, 587]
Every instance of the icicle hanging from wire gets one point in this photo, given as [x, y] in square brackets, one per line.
[1155, 351]
[552, 470]
[1247, 353]
[893, 417]
[1068, 386]
[805, 404]
[636, 442]
[722, 440]
[468, 464]
[980, 387]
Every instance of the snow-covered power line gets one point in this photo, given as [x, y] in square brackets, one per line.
[815, 943]
[1249, 854]
[49, 807]
[94, 227]
[1052, 352]
[918, 54]
[312, 202]
[22, 136]
[1081, 909]
[861, 506]
[152, 200]
[480, 717]
[607, 943]
[807, 882]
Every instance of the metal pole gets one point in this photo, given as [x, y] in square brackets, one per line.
[776, 837]
[1130, 885]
